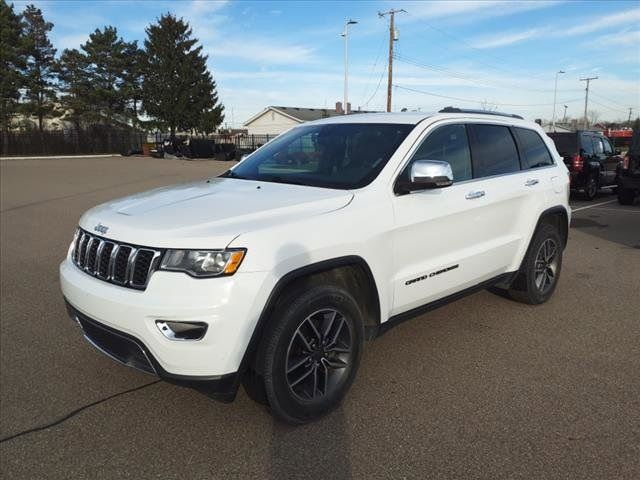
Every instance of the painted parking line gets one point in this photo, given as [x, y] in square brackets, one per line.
[574, 210]
[617, 210]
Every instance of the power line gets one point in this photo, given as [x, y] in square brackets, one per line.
[476, 80]
[468, 100]
[377, 86]
[483, 52]
[375, 63]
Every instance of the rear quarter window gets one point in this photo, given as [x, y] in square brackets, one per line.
[533, 150]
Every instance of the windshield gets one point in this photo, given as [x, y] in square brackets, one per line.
[341, 155]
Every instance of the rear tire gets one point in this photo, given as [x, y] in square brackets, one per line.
[626, 196]
[310, 352]
[540, 270]
[591, 187]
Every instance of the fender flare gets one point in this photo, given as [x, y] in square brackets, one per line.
[305, 271]
[558, 209]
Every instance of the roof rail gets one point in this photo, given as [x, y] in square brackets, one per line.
[482, 112]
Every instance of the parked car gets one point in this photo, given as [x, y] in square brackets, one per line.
[273, 275]
[629, 177]
[592, 162]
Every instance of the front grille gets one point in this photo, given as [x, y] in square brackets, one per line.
[114, 262]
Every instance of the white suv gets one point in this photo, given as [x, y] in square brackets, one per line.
[274, 274]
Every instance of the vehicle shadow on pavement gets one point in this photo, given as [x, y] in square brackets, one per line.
[318, 450]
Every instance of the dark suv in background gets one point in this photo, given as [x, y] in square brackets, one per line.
[629, 176]
[591, 160]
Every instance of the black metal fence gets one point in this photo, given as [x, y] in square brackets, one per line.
[243, 143]
[94, 140]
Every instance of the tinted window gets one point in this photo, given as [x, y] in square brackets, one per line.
[607, 147]
[598, 146]
[566, 143]
[494, 151]
[449, 144]
[587, 145]
[341, 155]
[533, 149]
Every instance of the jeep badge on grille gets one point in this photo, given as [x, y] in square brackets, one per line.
[101, 228]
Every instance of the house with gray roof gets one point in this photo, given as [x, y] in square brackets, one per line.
[274, 120]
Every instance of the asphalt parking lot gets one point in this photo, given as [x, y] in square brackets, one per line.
[481, 388]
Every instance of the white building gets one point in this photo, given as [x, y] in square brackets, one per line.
[275, 120]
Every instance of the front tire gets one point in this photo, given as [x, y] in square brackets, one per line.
[540, 270]
[311, 353]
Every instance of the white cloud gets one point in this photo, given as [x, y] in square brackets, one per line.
[627, 17]
[263, 51]
[473, 10]
[624, 38]
[506, 38]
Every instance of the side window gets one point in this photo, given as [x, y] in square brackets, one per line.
[598, 146]
[607, 146]
[450, 144]
[586, 145]
[494, 151]
[533, 149]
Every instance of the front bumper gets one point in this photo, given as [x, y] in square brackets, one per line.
[230, 306]
[130, 351]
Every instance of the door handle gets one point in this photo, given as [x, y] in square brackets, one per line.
[531, 182]
[476, 194]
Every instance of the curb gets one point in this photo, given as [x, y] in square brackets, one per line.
[58, 157]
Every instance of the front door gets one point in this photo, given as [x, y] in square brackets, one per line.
[452, 238]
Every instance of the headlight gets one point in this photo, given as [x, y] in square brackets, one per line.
[203, 263]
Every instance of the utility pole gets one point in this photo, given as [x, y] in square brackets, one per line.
[345, 109]
[586, 98]
[555, 92]
[392, 37]
[564, 117]
[629, 119]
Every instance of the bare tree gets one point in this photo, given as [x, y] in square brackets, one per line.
[593, 116]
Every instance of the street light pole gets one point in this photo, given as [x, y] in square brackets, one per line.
[555, 93]
[346, 64]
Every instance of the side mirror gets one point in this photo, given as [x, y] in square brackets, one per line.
[427, 174]
[617, 151]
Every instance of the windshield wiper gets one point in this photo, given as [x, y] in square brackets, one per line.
[278, 179]
[232, 174]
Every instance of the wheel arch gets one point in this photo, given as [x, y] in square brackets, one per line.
[351, 271]
[557, 216]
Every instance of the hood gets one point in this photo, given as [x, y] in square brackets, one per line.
[208, 213]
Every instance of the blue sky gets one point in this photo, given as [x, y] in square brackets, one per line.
[463, 53]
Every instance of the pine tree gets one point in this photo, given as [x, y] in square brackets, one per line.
[132, 81]
[74, 86]
[101, 81]
[40, 61]
[11, 64]
[107, 59]
[177, 88]
[211, 119]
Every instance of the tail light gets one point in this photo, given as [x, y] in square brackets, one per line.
[577, 162]
[625, 162]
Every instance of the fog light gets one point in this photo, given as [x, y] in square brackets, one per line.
[182, 330]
